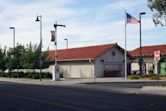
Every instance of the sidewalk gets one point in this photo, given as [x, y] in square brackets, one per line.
[43, 81]
[157, 90]
[73, 81]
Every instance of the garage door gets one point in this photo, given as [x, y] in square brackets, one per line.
[82, 71]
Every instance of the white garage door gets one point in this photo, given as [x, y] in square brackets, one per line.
[82, 71]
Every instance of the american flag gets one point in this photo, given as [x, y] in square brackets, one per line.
[131, 19]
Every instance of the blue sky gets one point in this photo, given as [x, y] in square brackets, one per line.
[88, 22]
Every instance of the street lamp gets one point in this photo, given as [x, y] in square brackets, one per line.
[56, 69]
[140, 58]
[13, 28]
[40, 62]
[66, 43]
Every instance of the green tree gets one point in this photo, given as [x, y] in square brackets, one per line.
[31, 57]
[3, 59]
[45, 59]
[18, 53]
[14, 56]
[28, 58]
[159, 7]
[10, 60]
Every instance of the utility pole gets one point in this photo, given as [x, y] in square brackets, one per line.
[56, 68]
[140, 58]
[40, 61]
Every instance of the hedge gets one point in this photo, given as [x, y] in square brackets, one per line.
[33, 75]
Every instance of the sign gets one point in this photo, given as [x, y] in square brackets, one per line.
[157, 55]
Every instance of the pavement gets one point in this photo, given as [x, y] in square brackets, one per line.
[63, 81]
[154, 90]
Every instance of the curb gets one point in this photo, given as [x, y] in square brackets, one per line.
[154, 88]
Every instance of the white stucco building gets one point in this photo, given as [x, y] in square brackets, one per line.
[150, 66]
[90, 61]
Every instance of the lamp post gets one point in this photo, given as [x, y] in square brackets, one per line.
[66, 43]
[140, 58]
[13, 28]
[40, 62]
[56, 69]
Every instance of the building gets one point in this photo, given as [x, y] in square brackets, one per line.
[90, 61]
[149, 64]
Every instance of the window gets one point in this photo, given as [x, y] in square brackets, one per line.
[113, 53]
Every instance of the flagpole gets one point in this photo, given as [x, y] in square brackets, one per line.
[125, 48]
[128, 19]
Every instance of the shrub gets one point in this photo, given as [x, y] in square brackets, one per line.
[163, 75]
[47, 75]
[33, 75]
[134, 77]
[153, 77]
[21, 75]
[2, 74]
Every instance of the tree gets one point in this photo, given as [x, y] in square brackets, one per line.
[37, 55]
[28, 58]
[159, 7]
[45, 59]
[3, 59]
[10, 60]
[25, 58]
[31, 57]
[14, 56]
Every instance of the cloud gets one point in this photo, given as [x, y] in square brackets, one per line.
[127, 4]
[85, 25]
[23, 16]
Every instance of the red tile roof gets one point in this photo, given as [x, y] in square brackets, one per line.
[149, 50]
[81, 53]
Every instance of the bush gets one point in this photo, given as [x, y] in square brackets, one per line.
[134, 77]
[33, 75]
[153, 77]
[47, 75]
[2, 74]
[163, 75]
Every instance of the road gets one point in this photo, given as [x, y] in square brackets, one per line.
[24, 97]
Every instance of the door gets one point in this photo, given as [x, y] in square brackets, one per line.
[163, 68]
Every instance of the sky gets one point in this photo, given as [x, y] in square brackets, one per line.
[88, 22]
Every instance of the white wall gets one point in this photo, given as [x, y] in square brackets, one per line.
[149, 62]
[135, 66]
[76, 69]
[108, 58]
[86, 69]
[82, 71]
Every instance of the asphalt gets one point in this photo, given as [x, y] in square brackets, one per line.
[30, 97]
[107, 84]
